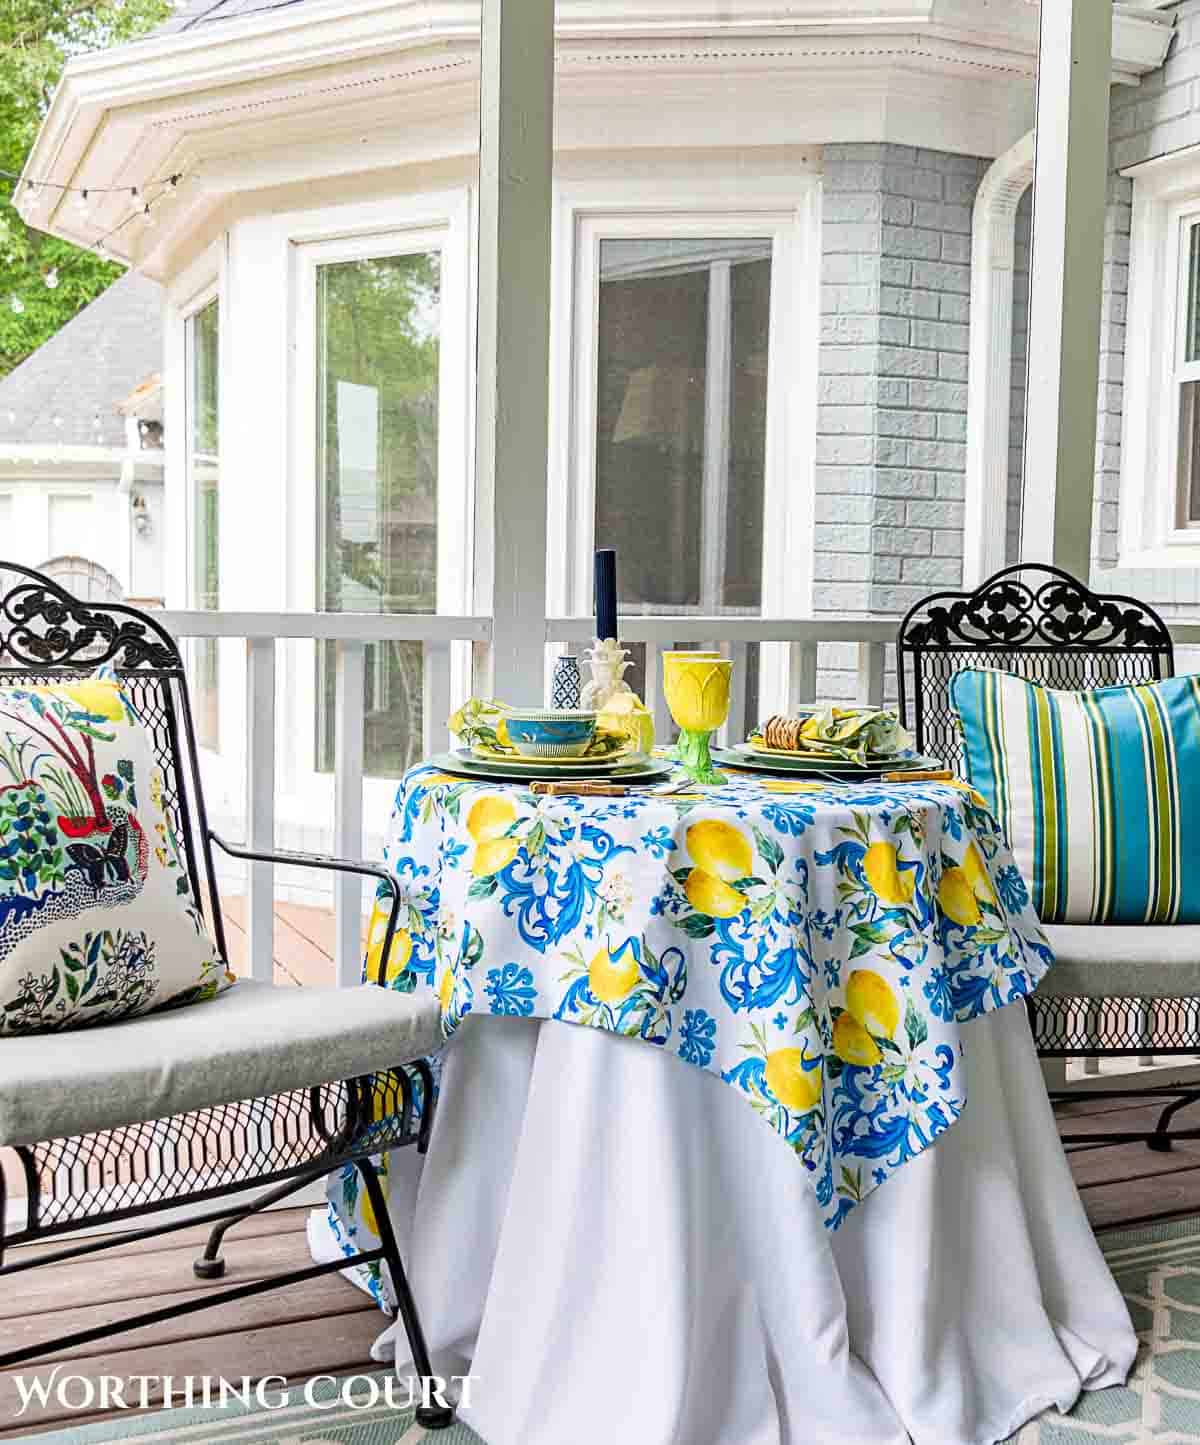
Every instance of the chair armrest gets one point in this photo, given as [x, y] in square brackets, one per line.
[296, 859]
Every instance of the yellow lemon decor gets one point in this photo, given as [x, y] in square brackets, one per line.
[722, 854]
[888, 883]
[445, 991]
[400, 952]
[795, 1087]
[870, 1000]
[488, 821]
[626, 715]
[697, 692]
[720, 848]
[707, 894]
[853, 1044]
[977, 875]
[956, 898]
[613, 979]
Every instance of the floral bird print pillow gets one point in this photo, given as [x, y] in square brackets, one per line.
[97, 917]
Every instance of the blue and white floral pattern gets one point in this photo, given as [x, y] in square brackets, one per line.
[818, 948]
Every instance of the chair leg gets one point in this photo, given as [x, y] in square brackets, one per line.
[430, 1414]
[1160, 1140]
[210, 1265]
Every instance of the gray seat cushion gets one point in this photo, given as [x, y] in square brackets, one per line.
[1123, 960]
[252, 1041]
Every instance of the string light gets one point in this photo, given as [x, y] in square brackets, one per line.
[144, 200]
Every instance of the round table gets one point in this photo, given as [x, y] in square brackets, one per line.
[613, 1256]
[696, 1247]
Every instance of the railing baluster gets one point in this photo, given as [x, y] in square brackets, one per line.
[260, 804]
[435, 698]
[349, 709]
[870, 674]
[735, 726]
[802, 675]
[656, 698]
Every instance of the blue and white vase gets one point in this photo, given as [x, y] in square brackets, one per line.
[567, 683]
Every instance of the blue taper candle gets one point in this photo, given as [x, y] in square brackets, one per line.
[606, 593]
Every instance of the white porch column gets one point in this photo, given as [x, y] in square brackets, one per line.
[1070, 171]
[515, 170]
[989, 379]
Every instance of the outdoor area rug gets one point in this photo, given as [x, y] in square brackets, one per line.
[1158, 1270]
[1157, 1267]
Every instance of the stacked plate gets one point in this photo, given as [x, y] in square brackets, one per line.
[610, 759]
[758, 758]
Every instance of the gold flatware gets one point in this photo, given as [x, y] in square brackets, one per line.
[581, 789]
[929, 775]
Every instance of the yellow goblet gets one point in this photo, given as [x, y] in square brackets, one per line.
[697, 692]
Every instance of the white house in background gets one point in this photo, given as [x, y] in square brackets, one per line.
[791, 242]
[81, 457]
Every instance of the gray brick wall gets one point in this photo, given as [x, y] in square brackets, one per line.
[891, 422]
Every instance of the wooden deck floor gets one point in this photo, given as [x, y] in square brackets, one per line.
[303, 942]
[327, 1326]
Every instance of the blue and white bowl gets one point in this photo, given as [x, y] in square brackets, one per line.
[550, 732]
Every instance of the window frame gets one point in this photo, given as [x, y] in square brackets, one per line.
[406, 225]
[200, 296]
[780, 203]
[1165, 206]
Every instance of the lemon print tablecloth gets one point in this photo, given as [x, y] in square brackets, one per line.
[817, 947]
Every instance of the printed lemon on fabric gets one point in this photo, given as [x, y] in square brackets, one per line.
[488, 823]
[882, 867]
[400, 951]
[794, 1079]
[612, 979]
[722, 855]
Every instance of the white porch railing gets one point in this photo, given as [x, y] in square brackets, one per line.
[797, 639]
[349, 634]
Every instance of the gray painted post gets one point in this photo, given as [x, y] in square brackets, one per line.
[516, 160]
[1070, 172]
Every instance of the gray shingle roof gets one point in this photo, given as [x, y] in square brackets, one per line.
[94, 362]
[203, 12]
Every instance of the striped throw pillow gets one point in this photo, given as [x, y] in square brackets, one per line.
[1098, 792]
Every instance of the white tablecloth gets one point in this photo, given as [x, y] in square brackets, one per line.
[624, 1257]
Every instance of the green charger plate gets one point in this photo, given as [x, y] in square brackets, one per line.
[753, 760]
[462, 764]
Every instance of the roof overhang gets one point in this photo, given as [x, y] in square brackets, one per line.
[360, 85]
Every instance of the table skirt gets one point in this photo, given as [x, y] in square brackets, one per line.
[623, 1255]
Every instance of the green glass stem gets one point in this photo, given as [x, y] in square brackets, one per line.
[691, 751]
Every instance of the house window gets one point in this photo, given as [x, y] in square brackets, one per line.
[683, 400]
[203, 432]
[1187, 380]
[681, 412]
[377, 414]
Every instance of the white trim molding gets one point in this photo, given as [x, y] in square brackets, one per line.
[1166, 202]
[353, 86]
[989, 376]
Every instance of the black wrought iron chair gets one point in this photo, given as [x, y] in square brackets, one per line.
[1115, 990]
[259, 1086]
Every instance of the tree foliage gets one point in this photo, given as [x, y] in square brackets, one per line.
[36, 39]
